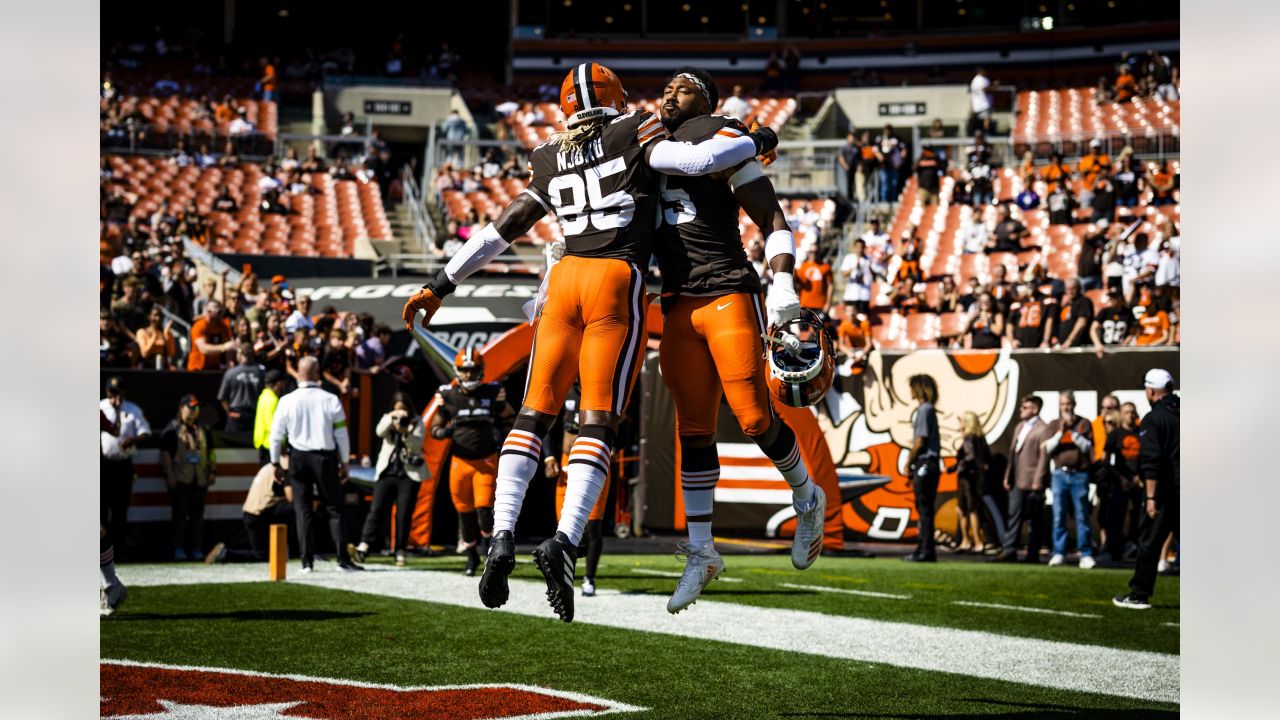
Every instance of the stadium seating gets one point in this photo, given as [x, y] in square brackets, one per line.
[1073, 116]
[773, 112]
[326, 223]
[178, 115]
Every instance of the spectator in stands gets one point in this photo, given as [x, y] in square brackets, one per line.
[853, 340]
[1129, 182]
[949, 295]
[1126, 86]
[116, 346]
[1007, 235]
[371, 353]
[735, 106]
[230, 158]
[973, 459]
[211, 339]
[241, 126]
[156, 345]
[348, 126]
[301, 316]
[856, 270]
[1164, 75]
[270, 342]
[1060, 204]
[889, 148]
[978, 169]
[130, 310]
[1026, 326]
[877, 243]
[313, 162]
[868, 167]
[1069, 324]
[980, 102]
[929, 176]
[1102, 92]
[970, 296]
[985, 327]
[1068, 448]
[225, 111]
[224, 202]
[239, 391]
[1103, 203]
[1056, 173]
[186, 455]
[1169, 269]
[906, 265]
[1089, 264]
[755, 256]
[267, 83]
[1163, 183]
[1113, 325]
[179, 156]
[1093, 166]
[1154, 328]
[335, 364]
[814, 282]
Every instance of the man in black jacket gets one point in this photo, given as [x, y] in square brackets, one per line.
[1159, 468]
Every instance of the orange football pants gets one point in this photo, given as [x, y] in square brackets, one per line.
[592, 326]
[712, 346]
[472, 483]
[562, 482]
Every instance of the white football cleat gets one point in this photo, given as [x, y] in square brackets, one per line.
[588, 587]
[1056, 560]
[111, 598]
[806, 546]
[1088, 563]
[702, 565]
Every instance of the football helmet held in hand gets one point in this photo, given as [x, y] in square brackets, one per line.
[802, 363]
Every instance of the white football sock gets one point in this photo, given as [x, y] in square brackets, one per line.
[698, 488]
[587, 469]
[517, 463]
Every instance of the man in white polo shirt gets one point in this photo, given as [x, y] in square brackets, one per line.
[124, 426]
[311, 420]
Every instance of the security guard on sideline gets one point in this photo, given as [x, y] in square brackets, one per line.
[314, 424]
[1159, 466]
[273, 389]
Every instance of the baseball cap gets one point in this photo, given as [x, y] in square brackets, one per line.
[279, 280]
[1157, 379]
[190, 401]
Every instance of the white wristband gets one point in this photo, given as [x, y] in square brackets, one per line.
[783, 281]
[477, 252]
[779, 242]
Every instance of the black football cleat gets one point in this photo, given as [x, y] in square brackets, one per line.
[473, 562]
[497, 566]
[556, 558]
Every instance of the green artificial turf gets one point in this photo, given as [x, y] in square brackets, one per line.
[289, 628]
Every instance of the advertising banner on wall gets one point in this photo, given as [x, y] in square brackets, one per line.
[866, 424]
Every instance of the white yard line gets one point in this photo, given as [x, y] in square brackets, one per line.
[1020, 608]
[667, 574]
[1172, 625]
[1065, 666]
[846, 591]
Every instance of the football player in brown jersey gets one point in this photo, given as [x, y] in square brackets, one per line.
[714, 320]
[600, 177]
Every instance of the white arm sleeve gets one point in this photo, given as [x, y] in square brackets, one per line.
[779, 242]
[478, 251]
[677, 158]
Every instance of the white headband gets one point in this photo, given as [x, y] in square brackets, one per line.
[693, 78]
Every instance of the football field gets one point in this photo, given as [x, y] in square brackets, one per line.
[848, 638]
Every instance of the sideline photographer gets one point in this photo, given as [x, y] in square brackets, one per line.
[399, 471]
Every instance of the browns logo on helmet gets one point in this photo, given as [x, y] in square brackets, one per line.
[470, 366]
[802, 363]
[590, 90]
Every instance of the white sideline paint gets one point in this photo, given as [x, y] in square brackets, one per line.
[1044, 663]
[676, 575]
[1019, 608]
[846, 591]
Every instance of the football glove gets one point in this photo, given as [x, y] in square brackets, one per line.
[766, 143]
[428, 299]
[782, 303]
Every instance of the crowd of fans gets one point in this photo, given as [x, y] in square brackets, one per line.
[1151, 75]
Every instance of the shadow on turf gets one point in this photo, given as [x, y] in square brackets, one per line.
[252, 615]
[1016, 711]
